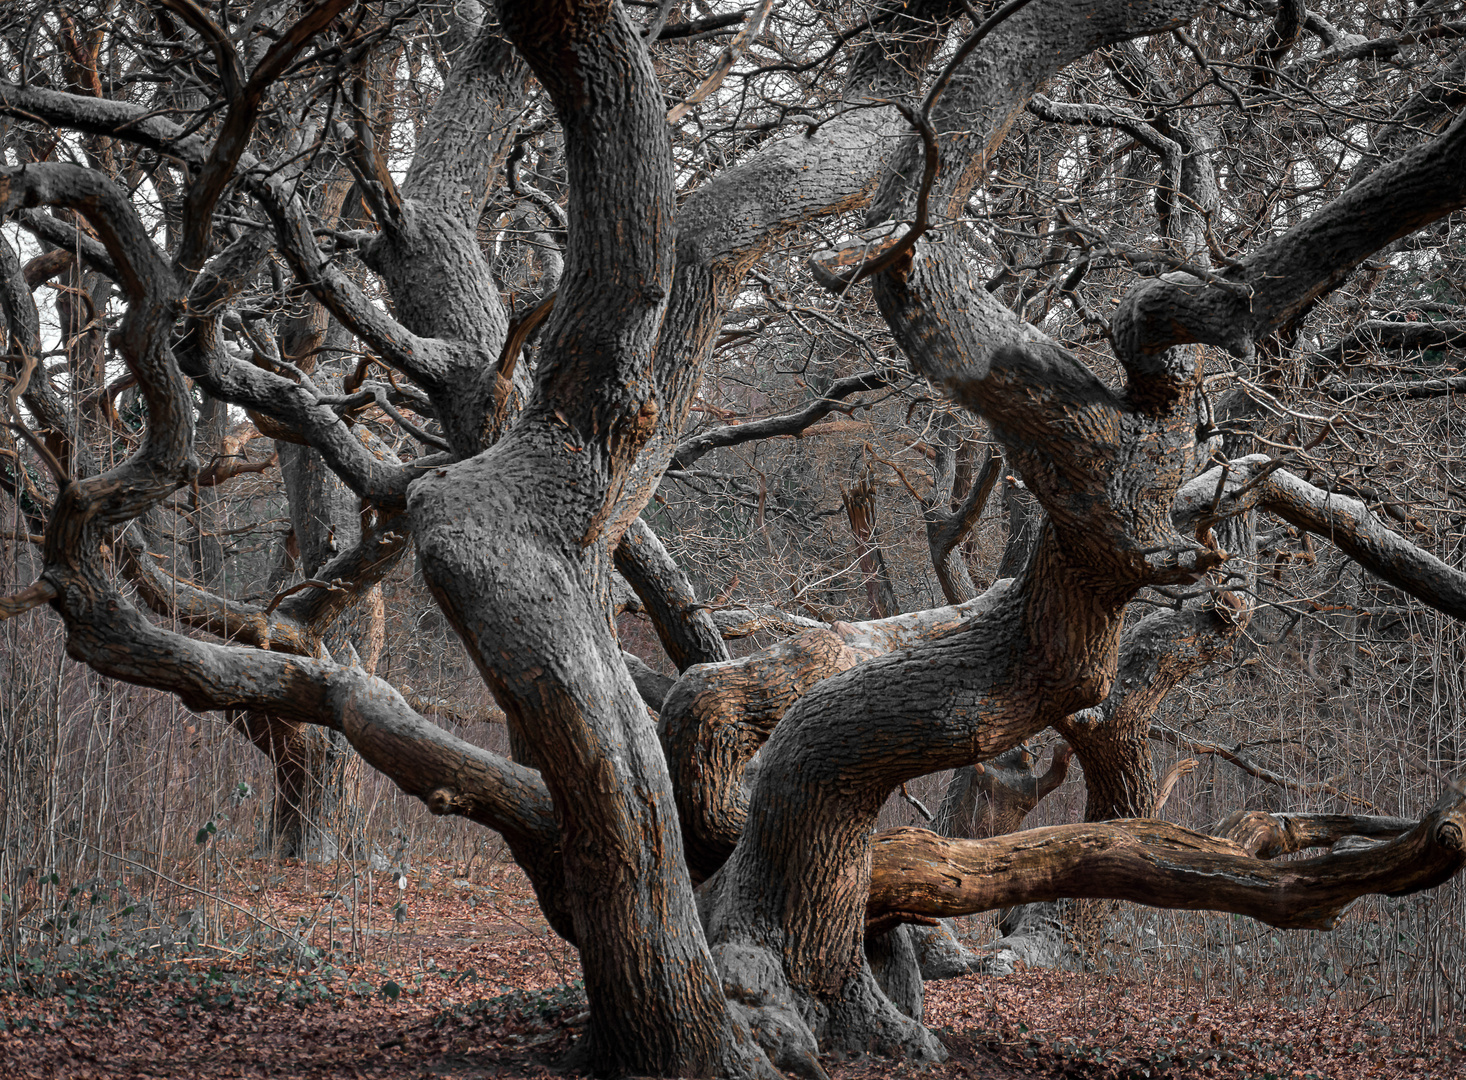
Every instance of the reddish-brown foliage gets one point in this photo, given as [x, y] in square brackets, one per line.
[472, 983]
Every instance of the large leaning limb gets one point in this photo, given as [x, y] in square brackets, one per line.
[516, 544]
[917, 875]
[741, 214]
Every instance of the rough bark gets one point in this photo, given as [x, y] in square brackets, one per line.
[684, 626]
[517, 545]
[985, 800]
[717, 717]
[518, 525]
[917, 874]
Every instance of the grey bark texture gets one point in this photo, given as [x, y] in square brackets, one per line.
[542, 455]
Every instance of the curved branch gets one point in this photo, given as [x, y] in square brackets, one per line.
[32, 596]
[361, 566]
[972, 115]
[1396, 389]
[945, 531]
[744, 211]
[424, 360]
[1349, 525]
[192, 606]
[689, 450]
[164, 460]
[684, 626]
[1287, 275]
[67, 239]
[1281, 36]
[918, 875]
[651, 684]
[1156, 654]
[994, 797]
[450, 775]
[1382, 334]
[1074, 441]
[718, 716]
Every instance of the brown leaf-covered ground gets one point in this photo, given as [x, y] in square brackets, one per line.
[463, 979]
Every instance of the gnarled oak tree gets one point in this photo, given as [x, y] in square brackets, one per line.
[236, 175]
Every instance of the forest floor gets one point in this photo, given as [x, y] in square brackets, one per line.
[465, 980]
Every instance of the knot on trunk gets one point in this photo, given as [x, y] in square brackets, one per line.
[1449, 836]
[442, 801]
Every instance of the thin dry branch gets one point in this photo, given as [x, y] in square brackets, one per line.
[1251, 768]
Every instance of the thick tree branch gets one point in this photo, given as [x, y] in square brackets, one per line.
[1267, 836]
[1395, 389]
[1257, 481]
[1287, 27]
[1279, 282]
[472, 127]
[718, 716]
[652, 685]
[232, 620]
[975, 113]
[919, 875]
[946, 528]
[516, 543]
[165, 459]
[684, 626]
[994, 797]
[361, 566]
[67, 239]
[32, 596]
[1057, 422]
